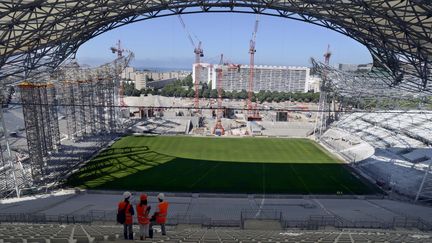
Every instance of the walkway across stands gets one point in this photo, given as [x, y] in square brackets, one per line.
[226, 209]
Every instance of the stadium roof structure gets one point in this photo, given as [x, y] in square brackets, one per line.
[38, 35]
[362, 85]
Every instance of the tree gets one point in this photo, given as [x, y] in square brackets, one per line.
[136, 92]
[234, 95]
[205, 93]
[261, 96]
[128, 88]
[204, 86]
[188, 81]
[214, 93]
[243, 94]
[191, 93]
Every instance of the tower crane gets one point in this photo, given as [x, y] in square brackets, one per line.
[119, 50]
[321, 118]
[218, 129]
[252, 114]
[198, 51]
[327, 56]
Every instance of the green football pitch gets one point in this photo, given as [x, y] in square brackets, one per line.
[210, 164]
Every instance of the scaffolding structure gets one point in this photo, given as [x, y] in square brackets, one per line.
[52, 110]
[68, 97]
[85, 97]
[99, 104]
[5, 158]
[89, 106]
[41, 123]
[322, 118]
[364, 86]
[110, 97]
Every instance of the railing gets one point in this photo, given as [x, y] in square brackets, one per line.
[260, 215]
[45, 219]
[189, 219]
[314, 222]
[102, 216]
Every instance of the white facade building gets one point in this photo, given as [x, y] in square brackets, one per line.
[205, 72]
[128, 73]
[272, 78]
[314, 83]
[140, 78]
[355, 67]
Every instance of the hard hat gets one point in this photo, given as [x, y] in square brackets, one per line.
[143, 197]
[161, 196]
[126, 195]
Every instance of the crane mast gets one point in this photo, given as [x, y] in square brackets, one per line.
[218, 129]
[198, 51]
[119, 50]
[252, 113]
[327, 56]
[198, 54]
[321, 118]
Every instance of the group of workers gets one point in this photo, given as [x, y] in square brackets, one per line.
[145, 221]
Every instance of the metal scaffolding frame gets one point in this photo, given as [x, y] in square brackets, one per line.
[29, 96]
[86, 108]
[40, 118]
[90, 102]
[6, 158]
[100, 106]
[89, 107]
[89, 96]
[79, 109]
[363, 85]
[68, 97]
[110, 93]
[321, 117]
[53, 115]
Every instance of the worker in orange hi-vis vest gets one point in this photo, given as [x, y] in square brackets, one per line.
[161, 214]
[143, 217]
[124, 216]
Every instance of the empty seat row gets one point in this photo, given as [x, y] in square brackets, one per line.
[22, 233]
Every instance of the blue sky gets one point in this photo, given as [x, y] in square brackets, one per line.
[162, 42]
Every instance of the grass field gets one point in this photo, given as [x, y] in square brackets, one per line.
[192, 164]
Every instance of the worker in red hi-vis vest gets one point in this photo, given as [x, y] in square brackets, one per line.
[124, 216]
[143, 217]
[161, 214]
